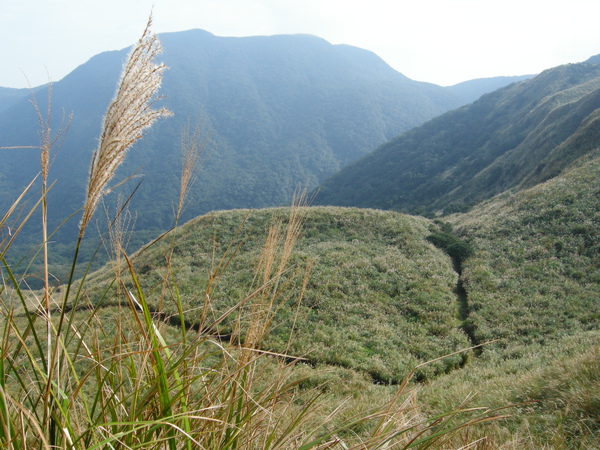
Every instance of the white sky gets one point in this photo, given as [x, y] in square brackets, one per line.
[439, 41]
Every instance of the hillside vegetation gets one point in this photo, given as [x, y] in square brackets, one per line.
[535, 273]
[379, 297]
[513, 138]
[533, 283]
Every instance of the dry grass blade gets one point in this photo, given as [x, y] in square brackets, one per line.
[273, 264]
[5, 241]
[193, 144]
[129, 114]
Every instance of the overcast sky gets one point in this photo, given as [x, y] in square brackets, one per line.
[439, 41]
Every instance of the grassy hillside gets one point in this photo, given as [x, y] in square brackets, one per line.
[533, 283]
[379, 298]
[512, 138]
[554, 389]
[535, 273]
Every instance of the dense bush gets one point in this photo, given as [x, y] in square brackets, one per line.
[458, 249]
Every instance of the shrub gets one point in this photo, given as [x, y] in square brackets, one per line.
[458, 249]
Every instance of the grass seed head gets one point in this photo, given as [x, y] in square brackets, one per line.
[128, 115]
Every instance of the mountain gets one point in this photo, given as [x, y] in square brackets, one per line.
[471, 90]
[513, 138]
[281, 111]
[593, 60]
[11, 96]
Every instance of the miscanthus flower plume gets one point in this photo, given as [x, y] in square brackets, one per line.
[128, 115]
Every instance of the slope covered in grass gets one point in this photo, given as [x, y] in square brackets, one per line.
[379, 296]
[533, 283]
[554, 389]
[535, 274]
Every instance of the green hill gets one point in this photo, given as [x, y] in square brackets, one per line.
[368, 294]
[379, 298]
[512, 138]
[534, 275]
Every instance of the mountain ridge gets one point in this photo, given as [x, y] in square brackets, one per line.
[470, 90]
[511, 138]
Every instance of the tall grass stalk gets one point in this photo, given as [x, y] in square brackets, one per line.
[128, 115]
[194, 146]
[120, 229]
[47, 142]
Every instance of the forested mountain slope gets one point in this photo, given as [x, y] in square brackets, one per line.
[512, 138]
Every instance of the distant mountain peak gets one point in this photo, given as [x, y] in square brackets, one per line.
[593, 60]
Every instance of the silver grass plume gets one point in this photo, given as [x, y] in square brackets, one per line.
[128, 115]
